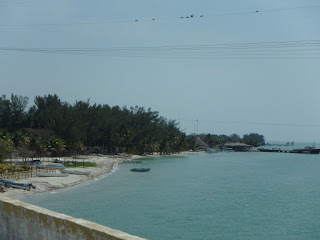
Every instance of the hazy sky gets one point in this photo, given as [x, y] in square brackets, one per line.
[234, 69]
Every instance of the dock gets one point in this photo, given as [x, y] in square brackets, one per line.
[307, 150]
[274, 150]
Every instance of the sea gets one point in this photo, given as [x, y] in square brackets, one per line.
[218, 196]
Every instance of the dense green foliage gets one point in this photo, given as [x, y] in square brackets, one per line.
[252, 139]
[53, 127]
[57, 127]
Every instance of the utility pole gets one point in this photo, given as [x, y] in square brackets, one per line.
[197, 127]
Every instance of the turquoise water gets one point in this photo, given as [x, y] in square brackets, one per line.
[220, 196]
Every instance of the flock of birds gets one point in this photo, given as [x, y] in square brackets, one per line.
[189, 16]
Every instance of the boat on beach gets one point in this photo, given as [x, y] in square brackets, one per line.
[47, 174]
[50, 166]
[77, 172]
[33, 162]
[24, 186]
[140, 169]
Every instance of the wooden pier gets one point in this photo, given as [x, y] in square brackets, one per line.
[307, 150]
[273, 150]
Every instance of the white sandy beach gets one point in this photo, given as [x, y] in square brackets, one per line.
[105, 165]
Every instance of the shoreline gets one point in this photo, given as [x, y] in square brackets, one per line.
[105, 166]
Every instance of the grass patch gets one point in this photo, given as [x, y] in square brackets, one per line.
[72, 164]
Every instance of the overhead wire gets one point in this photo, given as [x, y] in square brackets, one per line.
[143, 19]
[251, 123]
[279, 49]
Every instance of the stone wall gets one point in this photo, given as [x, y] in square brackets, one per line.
[22, 221]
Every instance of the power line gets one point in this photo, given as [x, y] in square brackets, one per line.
[175, 18]
[289, 9]
[253, 123]
[279, 49]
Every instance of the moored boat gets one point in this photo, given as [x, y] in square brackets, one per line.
[50, 166]
[309, 150]
[33, 162]
[140, 169]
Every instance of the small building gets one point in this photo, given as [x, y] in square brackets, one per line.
[238, 147]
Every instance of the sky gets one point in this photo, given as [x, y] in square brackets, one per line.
[218, 67]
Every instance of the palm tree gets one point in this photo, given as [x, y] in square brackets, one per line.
[24, 148]
[77, 147]
[6, 147]
[57, 145]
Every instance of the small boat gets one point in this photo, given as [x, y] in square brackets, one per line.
[24, 186]
[45, 174]
[51, 166]
[309, 150]
[33, 162]
[58, 161]
[140, 169]
[77, 172]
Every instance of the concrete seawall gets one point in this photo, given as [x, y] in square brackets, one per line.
[23, 221]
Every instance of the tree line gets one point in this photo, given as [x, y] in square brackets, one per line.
[52, 126]
[253, 139]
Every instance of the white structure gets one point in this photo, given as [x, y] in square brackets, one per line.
[22, 221]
